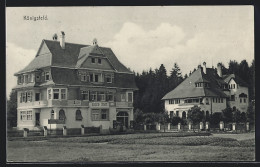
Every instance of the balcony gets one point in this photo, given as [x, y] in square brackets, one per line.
[68, 103]
[40, 103]
[124, 104]
[34, 104]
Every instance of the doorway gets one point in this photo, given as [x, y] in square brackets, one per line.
[122, 117]
[37, 119]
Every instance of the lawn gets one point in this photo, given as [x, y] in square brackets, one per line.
[134, 147]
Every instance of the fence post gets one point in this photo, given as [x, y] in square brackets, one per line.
[190, 124]
[45, 131]
[82, 130]
[234, 126]
[201, 126]
[100, 129]
[25, 131]
[221, 125]
[64, 131]
[247, 126]
[207, 126]
[169, 126]
[158, 126]
[144, 127]
[179, 126]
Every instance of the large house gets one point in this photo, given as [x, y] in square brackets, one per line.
[208, 89]
[70, 85]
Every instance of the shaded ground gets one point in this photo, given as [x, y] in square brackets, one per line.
[135, 147]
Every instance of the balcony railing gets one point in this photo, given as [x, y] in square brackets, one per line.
[40, 103]
[33, 104]
[68, 103]
[124, 104]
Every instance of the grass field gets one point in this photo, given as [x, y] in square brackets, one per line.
[134, 147]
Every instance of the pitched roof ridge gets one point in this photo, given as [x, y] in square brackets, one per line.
[66, 42]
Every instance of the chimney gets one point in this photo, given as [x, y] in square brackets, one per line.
[62, 40]
[55, 37]
[94, 41]
[219, 70]
[204, 67]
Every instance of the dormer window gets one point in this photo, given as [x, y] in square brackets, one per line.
[99, 61]
[93, 60]
[47, 76]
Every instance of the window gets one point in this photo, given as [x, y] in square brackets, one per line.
[240, 100]
[171, 114]
[83, 77]
[47, 76]
[93, 96]
[95, 115]
[49, 93]
[123, 97]
[109, 78]
[78, 115]
[232, 97]
[62, 115]
[52, 114]
[101, 96]
[177, 113]
[177, 101]
[110, 96]
[99, 61]
[63, 94]
[244, 100]
[23, 115]
[19, 79]
[130, 97]
[55, 93]
[221, 100]
[213, 99]
[29, 77]
[91, 78]
[183, 115]
[84, 95]
[29, 96]
[26, 78]
[207, 101]
[104, 114]
[96, 78]
[26, 115]
[37, 96]
[99, 114]
[171, 101]
[24, 97]
[92, 60]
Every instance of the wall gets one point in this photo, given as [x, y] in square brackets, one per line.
[73, 93]
[216, 107]
[237, 91]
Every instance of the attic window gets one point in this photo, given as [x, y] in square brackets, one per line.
[99, 61]
[47, 76]
[92, 60]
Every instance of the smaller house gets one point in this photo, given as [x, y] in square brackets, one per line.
[208, 89]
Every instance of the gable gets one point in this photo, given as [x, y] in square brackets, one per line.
[105, 64]
[43, 49]
[42, 59]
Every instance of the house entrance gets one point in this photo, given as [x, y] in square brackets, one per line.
[37, 119]
[122, 117]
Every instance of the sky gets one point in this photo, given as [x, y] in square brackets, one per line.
[141, 37]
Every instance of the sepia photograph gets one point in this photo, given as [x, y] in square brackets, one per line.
[130, 84]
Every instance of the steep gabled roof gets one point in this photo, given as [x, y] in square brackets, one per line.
[69, 56]
[188, 89]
